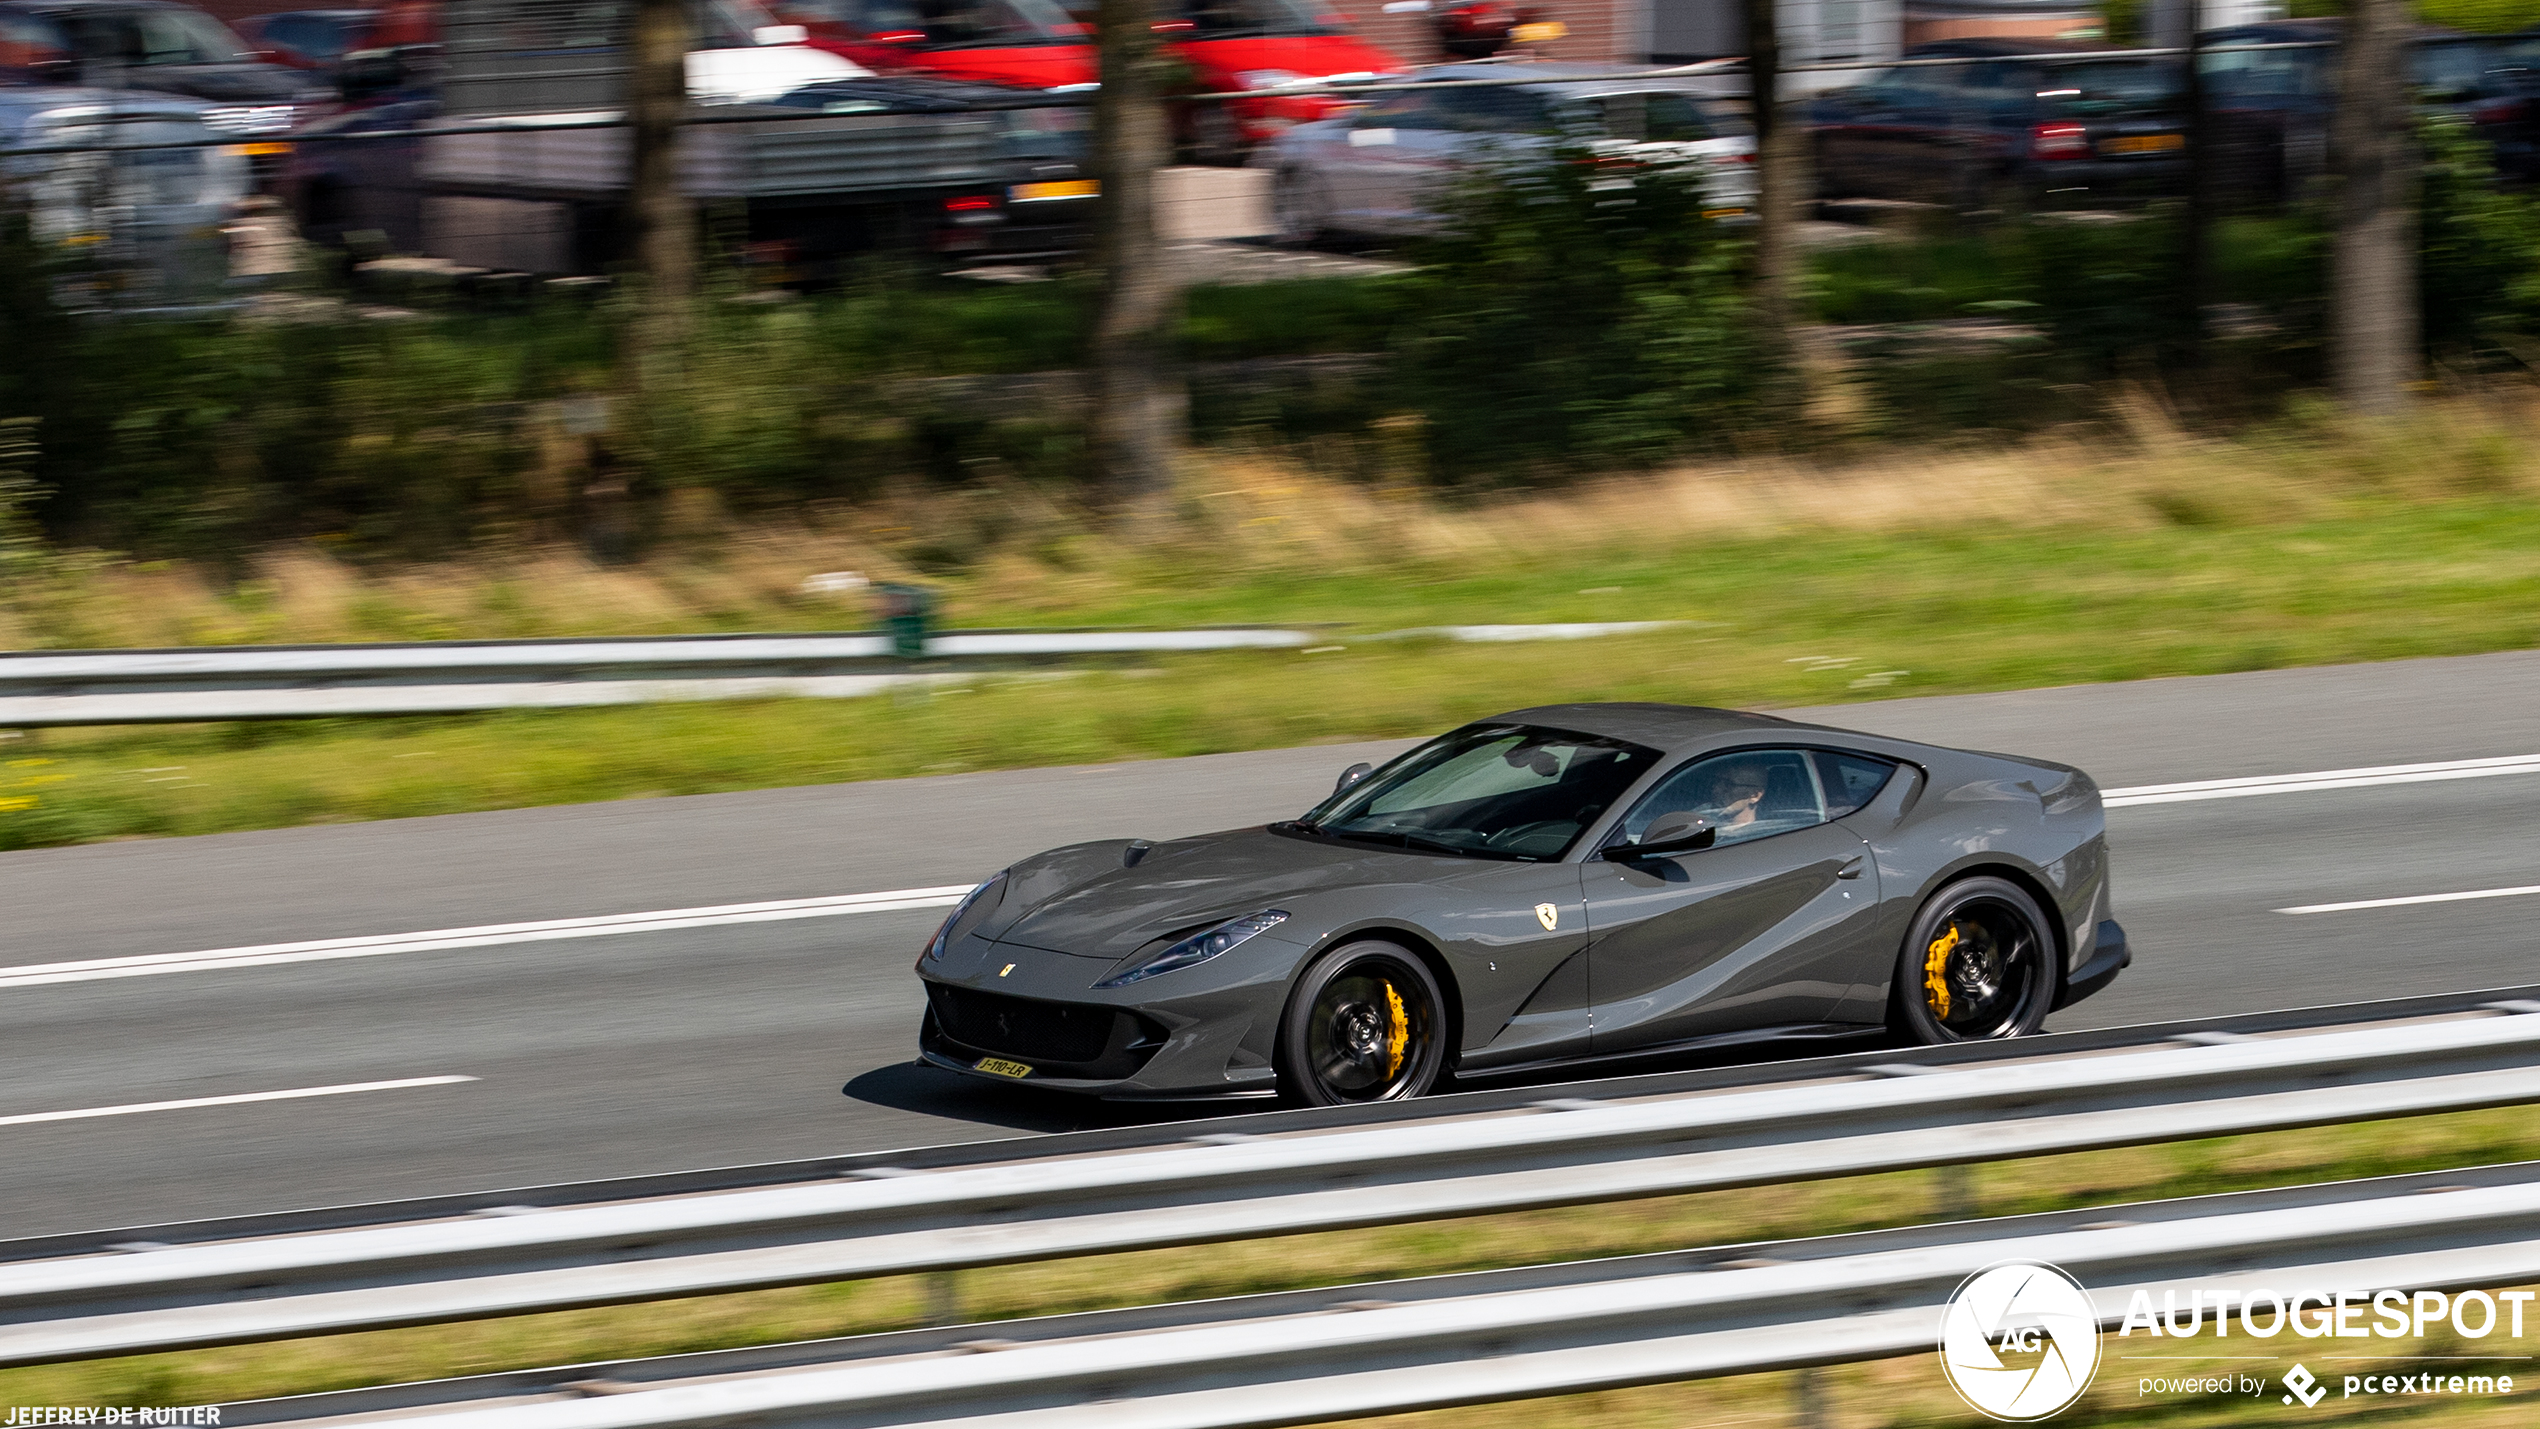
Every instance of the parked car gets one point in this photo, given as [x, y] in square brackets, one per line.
[177, 49]
[2272, 110]
[1241, 45]
[35, 51]
[132, 228]
[1028, 44]
[315, 40]
[1384, 168]
[2008, 126]
[1036, 201]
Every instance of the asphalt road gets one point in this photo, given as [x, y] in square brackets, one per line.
[724, 1041]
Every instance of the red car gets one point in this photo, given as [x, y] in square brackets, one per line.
[1263, 45]
[1027, 44]
[1229, 45]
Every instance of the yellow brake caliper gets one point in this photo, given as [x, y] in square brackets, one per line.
[1935, 969]
[1397, 1030]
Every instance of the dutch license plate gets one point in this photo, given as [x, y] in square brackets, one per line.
[1000, 1067]
[1724, 213]
[1541, 30]
[2144, 144]
[1062, 188]
[261, 151]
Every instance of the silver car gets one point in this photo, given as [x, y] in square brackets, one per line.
[132, 192]
[1385, 169]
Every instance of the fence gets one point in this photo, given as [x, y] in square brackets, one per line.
[393, 1265]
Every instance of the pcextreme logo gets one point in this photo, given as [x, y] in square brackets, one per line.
[2019, 1341]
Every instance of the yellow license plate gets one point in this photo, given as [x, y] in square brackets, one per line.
[1544, 30]
[1724, 213]
[2144, 144]
[1063, 188]
[260, 151]
[999, 1067]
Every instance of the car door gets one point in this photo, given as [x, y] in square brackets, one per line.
[1370, 174]
[1772, 925]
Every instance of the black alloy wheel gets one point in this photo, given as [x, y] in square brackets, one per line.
[1978, 965]
[1365, 1023]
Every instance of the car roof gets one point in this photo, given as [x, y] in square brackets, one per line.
[1574, 78]
[1665, 728]
[2006, 48]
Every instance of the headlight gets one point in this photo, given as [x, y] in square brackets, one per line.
[978, 903]
[1198, 947]
[1267, 78]
[251, 118]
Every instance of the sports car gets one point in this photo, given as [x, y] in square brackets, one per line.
[1550, 887]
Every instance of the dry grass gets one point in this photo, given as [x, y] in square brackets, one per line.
[1011, 553]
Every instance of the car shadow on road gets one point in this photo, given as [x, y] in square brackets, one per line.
[932, 1091]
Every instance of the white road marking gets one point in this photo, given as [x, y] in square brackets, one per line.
[663, 921]
[2419, 898]
[2323, 779]
[241, 1099]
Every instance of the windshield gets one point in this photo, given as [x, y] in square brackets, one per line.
[1244, 19]
[946, 24]
[156, 37]
[2114, 87]
[1487, 791]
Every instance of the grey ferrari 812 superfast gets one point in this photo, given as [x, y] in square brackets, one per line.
[1552, 887]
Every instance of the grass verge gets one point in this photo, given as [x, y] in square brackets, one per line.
[1903, 1392]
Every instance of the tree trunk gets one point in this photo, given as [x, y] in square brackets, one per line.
[662, 220]
[2196, 215]
[1138, 411]
[2373, 296]
[1781, 175]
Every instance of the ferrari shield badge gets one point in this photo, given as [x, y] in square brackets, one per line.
[1547, 914]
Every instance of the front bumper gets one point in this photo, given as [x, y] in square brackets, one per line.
[2109, 955]
[1002, 1012]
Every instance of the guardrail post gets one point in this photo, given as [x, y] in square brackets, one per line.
[943, 1299]
[1954, 1192]
[1808, 1393]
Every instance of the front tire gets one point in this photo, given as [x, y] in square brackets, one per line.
[1300, 215]
[1365, 1023]
[1978, 965]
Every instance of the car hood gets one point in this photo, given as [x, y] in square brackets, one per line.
[1310, 56]
[1107, 911]
[1022, 67]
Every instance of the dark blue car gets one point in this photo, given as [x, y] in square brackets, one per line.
[2008, 126]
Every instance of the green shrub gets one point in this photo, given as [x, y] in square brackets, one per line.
[1575, 316]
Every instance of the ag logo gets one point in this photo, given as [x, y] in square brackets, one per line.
[2019, 1341]
[1547, 914]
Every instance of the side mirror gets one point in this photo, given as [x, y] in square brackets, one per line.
[1676, 833]
[1352, 775]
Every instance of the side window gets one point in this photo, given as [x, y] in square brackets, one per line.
[1851, 780]
[1413, 109]
[1676, 119]
[1748, 794]
[1495, 111]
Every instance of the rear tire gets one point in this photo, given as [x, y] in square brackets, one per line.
[1365, 1023]
[1978, 965]
[1300, 214]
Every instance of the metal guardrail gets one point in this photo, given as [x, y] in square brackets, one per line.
[1300, 1357]
[878, 1219]
[39, 688]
